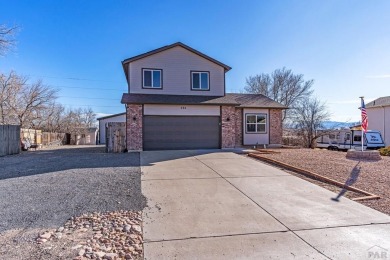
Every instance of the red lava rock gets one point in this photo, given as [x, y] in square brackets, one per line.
[372, 176]
[115, 234]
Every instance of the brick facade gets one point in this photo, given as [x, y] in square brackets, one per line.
[134, 127]
[275, 126]
[231, 130]
[239, 123]
[228, 118]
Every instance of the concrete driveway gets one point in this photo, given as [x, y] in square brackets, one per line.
[222, 205]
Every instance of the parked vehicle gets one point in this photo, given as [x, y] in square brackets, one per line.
[345, 139]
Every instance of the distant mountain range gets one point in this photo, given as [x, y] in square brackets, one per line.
[335, 124]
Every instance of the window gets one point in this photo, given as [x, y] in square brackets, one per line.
[357, 138]
[256, 123]
[152, 78]
[200, 81]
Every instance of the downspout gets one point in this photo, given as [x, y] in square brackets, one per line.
[127, 148]
[268, 121]
[384, 123]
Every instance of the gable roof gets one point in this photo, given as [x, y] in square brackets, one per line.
[379, 102]
[255, 101]
[125, 63]
[234, 99]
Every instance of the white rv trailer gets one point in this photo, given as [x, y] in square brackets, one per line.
[345, 139]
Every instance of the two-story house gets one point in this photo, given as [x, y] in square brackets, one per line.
[177, 100]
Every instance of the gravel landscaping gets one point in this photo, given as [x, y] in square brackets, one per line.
[370, 176]
[41, 190]
[111, 235]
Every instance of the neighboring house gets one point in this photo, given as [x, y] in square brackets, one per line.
[177, 100]
[85, 137]
[378, 113]
[108, 119]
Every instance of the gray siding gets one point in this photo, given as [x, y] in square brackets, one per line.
[177, 63]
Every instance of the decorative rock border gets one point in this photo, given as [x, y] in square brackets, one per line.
[372, 155]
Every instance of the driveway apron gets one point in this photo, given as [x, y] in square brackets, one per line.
[214, 204]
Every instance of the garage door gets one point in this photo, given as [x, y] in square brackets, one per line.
[181, 132]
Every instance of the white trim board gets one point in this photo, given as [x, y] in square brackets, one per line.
[181, 110]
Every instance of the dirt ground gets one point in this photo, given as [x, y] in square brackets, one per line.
[370, 176]
[40, 190]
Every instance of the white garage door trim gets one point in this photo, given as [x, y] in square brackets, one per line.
[181, 110]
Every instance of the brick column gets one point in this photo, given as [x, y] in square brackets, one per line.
[239, 124]
[228, 118]
[134, 127]
[275, 126]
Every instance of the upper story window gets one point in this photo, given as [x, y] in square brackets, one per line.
[256, 123]
[200, 80]
[151, 78]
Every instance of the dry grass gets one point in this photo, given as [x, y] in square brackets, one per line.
[370, 176]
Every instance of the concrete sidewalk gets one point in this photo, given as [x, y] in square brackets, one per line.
[221, 205]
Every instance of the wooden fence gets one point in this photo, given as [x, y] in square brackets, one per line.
[54, 138]
[43, 138]
[9, 139]
[115, 137]
[32, 135]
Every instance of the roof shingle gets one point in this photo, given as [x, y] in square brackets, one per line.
[379, 102]
[235, 99]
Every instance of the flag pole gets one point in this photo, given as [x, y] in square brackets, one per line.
[361, 103]
[362, 139]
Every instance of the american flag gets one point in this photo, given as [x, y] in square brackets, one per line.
[364, 117]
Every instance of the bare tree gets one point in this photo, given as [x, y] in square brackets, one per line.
[282, 86]
[309, 117]
[10, 86]
[7, 40]
[78, 121]
[23, 103]
[33, 99]
[73, 122]
[52, 118]
[89, 117]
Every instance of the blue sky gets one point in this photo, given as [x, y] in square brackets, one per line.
[78, 46]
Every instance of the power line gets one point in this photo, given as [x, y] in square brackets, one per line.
[75, 78]
[57, 86]
[77, 105]
[90, 98]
